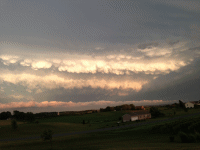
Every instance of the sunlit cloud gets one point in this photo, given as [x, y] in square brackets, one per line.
[9, 59]
[150, 58]
[53, 81]
[2, 89]
[41, 64]
[26, 62]
[101, 103]
[99, 48]
[17, 96]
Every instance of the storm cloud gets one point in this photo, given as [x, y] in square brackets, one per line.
[75, 55]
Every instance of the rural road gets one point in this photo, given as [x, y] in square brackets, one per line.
[99, 130]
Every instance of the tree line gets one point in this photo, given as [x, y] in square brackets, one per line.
[21, 116]
[118, 108]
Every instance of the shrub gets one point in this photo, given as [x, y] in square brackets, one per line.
[184, 137]
[171, 138]
[194, 127]
[197, 136]
[192, 138]
[37, 121]
[187, 138]
[83, 121]
[47, 135]
[155, 112]
[185, 109]
[14, 124]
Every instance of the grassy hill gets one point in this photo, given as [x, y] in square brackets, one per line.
[127, 138]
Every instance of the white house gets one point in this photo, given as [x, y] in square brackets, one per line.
[130, 117]
[189, 105]
[139, 115]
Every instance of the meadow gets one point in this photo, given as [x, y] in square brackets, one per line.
[127, 138]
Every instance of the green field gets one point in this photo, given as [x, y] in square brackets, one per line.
[127, 138]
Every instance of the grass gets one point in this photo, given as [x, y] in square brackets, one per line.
[93, 118]
[126, 138]
[133, 138]
[7, 122]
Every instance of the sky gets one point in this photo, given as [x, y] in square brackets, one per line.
[62, 55]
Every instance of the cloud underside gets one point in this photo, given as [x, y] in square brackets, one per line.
[121, 74]
[150, 58]
[53, 81]
[101, 103]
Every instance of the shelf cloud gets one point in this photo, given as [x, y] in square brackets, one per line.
[85, 54]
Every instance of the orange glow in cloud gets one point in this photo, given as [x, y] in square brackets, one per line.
[101, 103]
[162, 62]
[53, 81]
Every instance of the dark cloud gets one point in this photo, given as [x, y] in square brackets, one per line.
[183, 84]
[86, 51]
[173, 42]
[148, 45]
[195, 48]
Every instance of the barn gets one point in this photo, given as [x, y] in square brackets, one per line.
[130, 117]
[140, 115]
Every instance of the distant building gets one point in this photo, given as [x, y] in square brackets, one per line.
[189, 105]
[196, 102]
[140, 115]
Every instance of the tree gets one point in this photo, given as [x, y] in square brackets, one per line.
[14, 124]
[19, 115]
[118, 108]
[155, 112]
[102, 110]
[132, 107]
[5, 115]
[30, 117]
[181, 104]
[47, 135]
[107, 108]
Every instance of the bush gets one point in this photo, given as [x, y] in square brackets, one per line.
[47, 135]
[187, 138]
[194, 127]
[185, 109]
[171, 138]
[192, 138]
[14, 124]
[155, 112]
[197, 136]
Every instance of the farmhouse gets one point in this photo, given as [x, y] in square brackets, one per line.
[189, 105]
[196, 102]
[140, 115]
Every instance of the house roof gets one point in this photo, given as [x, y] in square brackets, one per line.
[190, 102]
[195, 102]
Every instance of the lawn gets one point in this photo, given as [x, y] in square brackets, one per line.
[127, 138]
[132, 138]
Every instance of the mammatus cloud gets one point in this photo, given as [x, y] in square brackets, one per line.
[148, 45]
[92, 104]
[99, 48]
[53, 81]
[8, 59]
[149, 58]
